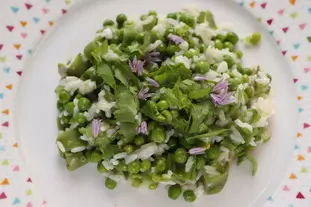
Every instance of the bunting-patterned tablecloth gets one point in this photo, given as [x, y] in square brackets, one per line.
[23, 23]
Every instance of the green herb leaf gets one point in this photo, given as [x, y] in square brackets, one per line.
[105, 71]
[198, 114]
[126, 106]
[215, 184]
[210, 19]
[128, 129]
[172, 73]
[210, 134]
[100, 51]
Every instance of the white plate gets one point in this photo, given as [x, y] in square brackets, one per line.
[36, 113]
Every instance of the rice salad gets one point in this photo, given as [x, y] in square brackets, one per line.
[163, 100]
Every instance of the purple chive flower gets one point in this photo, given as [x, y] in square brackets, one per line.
[143, 128]
[197, 151]
[95, 127]
[175, 38]
[222, 99]
[220, 95]
[152, 57]
[222, 85]
[137, 66]
[143, 94]
[199, 78]
[153, 82]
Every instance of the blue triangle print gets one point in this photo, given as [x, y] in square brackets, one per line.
[241, 3]
[16, 201]
[296, 147]
[296, 46]
[270, 198]
[300, 110]
[2, 148]
[7, 70]
[14, 9]
[1, 95]
[309, 10]
[47, 1]
[304, 87]
[36, 20]
[271, 32]
[291, 205]
[29, 52]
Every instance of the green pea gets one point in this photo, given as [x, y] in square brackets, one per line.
[256, 38]
[122, 166]
[202, 48]
[153, 186]
[155, 178]
[108, 22]
[121, 19]
[162, 105]
[101, 168]
[187, 19]
[229, 45]
[172, 16]
[93, 156]
[65, 120]
[84, 104]
[174, 191]
[136, 182]
[232, 37]
[213, 152]
[247, 71]
[249, 91]
[158, 135]
[80, 118]
[129, 35]
[110, 184]
[229, 60]
[189, 196]
[139, 140]
[161, 165]
[162, 48]
[152, 13]
[134, 167]
[64, 96]
[202, 66]
[239, 54]
[128, 148]
[245, 78]
[167, 115]
[218, 44]
[60, 106]
[171, 50]
[180, 156]
[221, 37]
[145, 165]
[140, 37]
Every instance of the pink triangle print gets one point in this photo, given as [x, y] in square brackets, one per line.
[2, 195]
[29, 204]
[307, 70]
[263, 5]
[269, 21]
[285, 29]
[295, 80]
[302, 26]
[281, 11]
[29, 180]
[16, 168]
[28, 6]
[300, 196]
[10, 28]
[306, 125]
[286, 188]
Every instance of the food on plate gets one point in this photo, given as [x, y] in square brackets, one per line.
[163, 100]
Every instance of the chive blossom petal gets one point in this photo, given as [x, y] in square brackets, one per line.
[153, 82]
[197, 151]
[96, 127]
[175, 38]
[137, 66]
